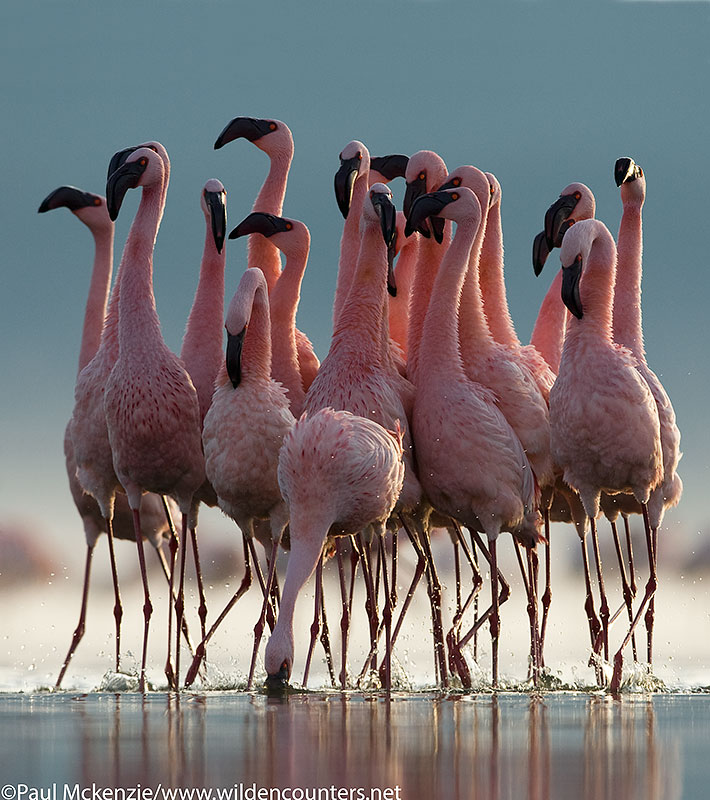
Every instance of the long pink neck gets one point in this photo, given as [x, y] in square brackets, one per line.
[202, 349]
[474, 335]
[548, 335]
[428, 264]
[495, 302]
[96, 302]
[628, 325]
[349, 245]
[284, 301]
[261, 252]
[359, 326]
[398, 307]
[138, 323]
[256, 353]
[439, 353]
[596, 293]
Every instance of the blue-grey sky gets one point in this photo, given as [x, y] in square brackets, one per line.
[541, 94]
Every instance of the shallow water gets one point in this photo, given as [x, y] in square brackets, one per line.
[557, 745]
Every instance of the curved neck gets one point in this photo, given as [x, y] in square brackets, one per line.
[439, 353]
[427, 267]
[261, 252]
[202, 347]
[398, 307]
[256, 353]
[474, 335]
[349, 246]
[138, 323]
[95, 313]
[628, 325]
[549, 332]
[359, 325]
[284, 301]
[492, 281]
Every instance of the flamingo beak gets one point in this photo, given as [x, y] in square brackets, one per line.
[540, 253]
[245, 128]
[235, 342]
[570, 287]
[624, 171]
[388, 222]
[68, 197]
[556, 214]
[260, 222]
[126, 177]
[118, 159]
[279, 681]
[390, 167]
[217, 207]
[345, 179]
[425, 206]
[415, 189]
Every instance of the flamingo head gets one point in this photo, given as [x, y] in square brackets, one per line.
[574, 254]
[354, 161]
[425, 171]
[237, 321]
[89, 208]
[384, 169]
[380, 208]
[120, 156]
[278, 659]
[495, 190]
[629, 176]
[460, 205]
[213, 201]
[270, 135]
[142, 167]
[289, 235]
[576, 202]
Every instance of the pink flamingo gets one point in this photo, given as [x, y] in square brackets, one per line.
[293, 239]
[471, 462]
[91, 210]
[407, 249]
[628, 332]
[339, 473]
[245, 426]
[151, 406]
[576, 202]
[604, 422]
[275, 139]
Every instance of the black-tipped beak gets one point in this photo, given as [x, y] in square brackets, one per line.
[260, 222]
[415, 189]
[425, 206]
[540, 252]
[570, 287]
[556, 214]
[390, 167]
[345, 183]
[235, 342]
[245, 128]
[279, 681]
[68, 197]
[120, 181]
[624, 170]
[118, 159]
[387, 213]
[217, 206]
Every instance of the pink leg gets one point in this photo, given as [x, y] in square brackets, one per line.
[495, 615]
[345, 618]
[594, 625]
[166, 572]
[174, 545]
[651, 613]
[243, 587]
[325, 635]
[315, 626]
[604, 605]
[370, 607]
[202, 610]
[547, 595]
[270, 618]
[434, 586]
[626, 589]
[117, 607]
[180, 605]
[387, 614]
[531, 608]
[147, 605]
[259, 627]
[80, 628]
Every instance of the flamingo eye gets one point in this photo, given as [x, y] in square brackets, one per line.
[272, 126]
[97, 201]
[577, 195]
[454, 195]
[457, 181]
[422, 176]
[640, 173]
[289, 226]
[143, 162]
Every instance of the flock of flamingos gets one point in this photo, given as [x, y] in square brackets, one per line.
[427, 414]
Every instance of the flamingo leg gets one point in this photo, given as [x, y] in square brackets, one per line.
[531, 608]
[160, 555]
[325, 635]
[315, 625]
[259, 627]
[270, 619]
[547, 594]
[651, 613]
[202, 610]
[81, 627]
[370, 604]
[173, 546]
[393, 587]
[180, 604]
[630, 549]
[495, 615]
[354, 558]
[387, 614]
[147, 605]
[626, 589]
[648, 595]
[117, 607]
[243, 587]
[604, 605]
[345, 618]
[533, 569]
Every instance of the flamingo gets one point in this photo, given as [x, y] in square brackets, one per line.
[275, 139]
[151, 406]
[457, 424]
[605, 432]
[245, 426]
[628, 332]
[91, 210]
[407, 249]
[293, 239]
[339, 473]
[576, 202]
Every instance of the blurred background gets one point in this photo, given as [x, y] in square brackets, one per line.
[540, 93]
